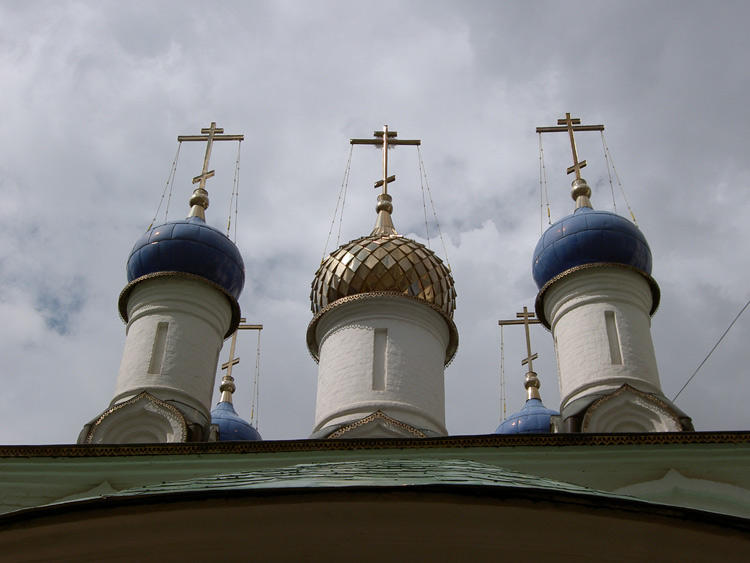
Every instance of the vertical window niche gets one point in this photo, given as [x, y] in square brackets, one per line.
[378, 359]
[615, 351]
[159, 349]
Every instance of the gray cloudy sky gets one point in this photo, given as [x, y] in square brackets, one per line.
[94, 95]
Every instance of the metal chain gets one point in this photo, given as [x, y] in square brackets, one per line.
[424, 205]
[432, 203]
[543, 193]
[617, 177]
[502, 372]
[168, 185]
[235, 193]
[344, 186]
[256, 388]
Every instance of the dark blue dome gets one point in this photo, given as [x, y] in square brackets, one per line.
[533, 418]
[231, 426]
[589, 237]
[189, 246]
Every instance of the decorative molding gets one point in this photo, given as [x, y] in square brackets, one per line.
[312, 342]
[448, 442]
[346, 327]
[539, 303]
[644, 400]
[122, 303]
[154, 405]
[377, 415]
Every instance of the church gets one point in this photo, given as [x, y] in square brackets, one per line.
[616, 471]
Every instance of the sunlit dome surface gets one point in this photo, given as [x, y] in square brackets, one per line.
[384, 263]
[589, 237]
[189, 246]
[232, 428]
[533, 418]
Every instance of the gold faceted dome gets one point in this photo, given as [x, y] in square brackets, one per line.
[384, 262]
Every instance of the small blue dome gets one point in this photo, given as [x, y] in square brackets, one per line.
[231, 427]
[533, 418]
[589, 237]
[189, 246]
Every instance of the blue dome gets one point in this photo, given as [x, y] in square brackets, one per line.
[589, 237]
[533, 418]
[189, 246]
[231, 427]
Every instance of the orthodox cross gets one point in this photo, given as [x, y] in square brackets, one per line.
[526, 320]
[569, 125]
[209, 134]
[386, 139]
[227, 382]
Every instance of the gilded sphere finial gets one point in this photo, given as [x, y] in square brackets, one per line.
[199, 197]
[580, 188]
[227, 384]
[384, 203]
[532, 386]
[531, 380]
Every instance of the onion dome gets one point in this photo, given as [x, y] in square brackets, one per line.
[189, 246]
[231, 426]
[590, 238]
[384, 262]
[533, 418]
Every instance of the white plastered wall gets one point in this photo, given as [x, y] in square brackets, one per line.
[181, 368]
[411, 340]
[588, 344]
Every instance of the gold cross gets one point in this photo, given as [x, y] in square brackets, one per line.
[386, 139]
[528, 319]
[532, 381]
[210, 134]
[227, 382]
[569, 125]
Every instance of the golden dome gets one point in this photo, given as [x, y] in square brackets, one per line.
[384, 262]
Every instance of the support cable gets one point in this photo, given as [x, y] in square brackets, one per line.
[543, 190]
[168, 185]
[502, 373]
[432, 203]
[256, 388]
[235, 194]
[609, 173]
[712, 350]
[607, 153]
[424, 204]
[340, 201]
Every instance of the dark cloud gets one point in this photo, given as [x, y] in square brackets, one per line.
[94, 95]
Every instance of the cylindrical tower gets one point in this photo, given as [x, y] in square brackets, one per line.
[596, 294]
[180, 304]
[382, 333]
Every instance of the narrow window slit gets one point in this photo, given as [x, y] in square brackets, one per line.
[160, 348]
[615, 354]
[378, 359]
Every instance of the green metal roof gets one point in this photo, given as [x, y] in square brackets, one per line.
[367, 473]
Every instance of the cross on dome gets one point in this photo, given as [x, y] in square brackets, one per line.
[199, 199]
[526, 316]
[227, 382]
[569, 125]
[581, 191]
[385, 139]
[532, 381]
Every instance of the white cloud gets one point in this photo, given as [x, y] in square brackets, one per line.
[94, 95]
